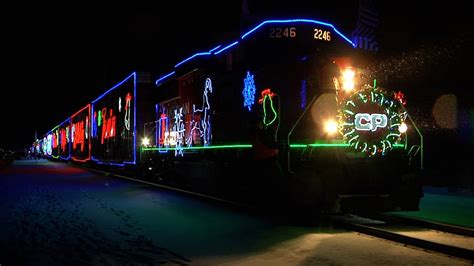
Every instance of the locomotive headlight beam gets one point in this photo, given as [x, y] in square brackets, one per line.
[330, 127]
[403, 127]
[348, 76]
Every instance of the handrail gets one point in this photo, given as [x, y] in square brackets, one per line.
[293, 128]
[419, 133]
[417, 150]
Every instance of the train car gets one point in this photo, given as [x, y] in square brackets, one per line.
[117, 119]
[114, 124]
[284, 113]
[104, 131]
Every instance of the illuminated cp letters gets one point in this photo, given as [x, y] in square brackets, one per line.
[370, 122]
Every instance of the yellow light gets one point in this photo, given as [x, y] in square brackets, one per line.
[348, 85]
[330, 127]
[403, 127]
[348, 79]
[145, 142]
[348, 74]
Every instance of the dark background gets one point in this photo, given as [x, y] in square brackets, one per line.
[59, 58]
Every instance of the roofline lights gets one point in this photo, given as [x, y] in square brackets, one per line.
[196, 55]
[191, 57]
[227, 47]
[270, 21]
[116, 85]
[164, 77]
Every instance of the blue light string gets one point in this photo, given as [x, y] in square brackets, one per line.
[211, 52]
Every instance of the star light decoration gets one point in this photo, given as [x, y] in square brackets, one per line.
[249, 91]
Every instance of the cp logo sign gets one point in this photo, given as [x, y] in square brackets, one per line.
[370, 122]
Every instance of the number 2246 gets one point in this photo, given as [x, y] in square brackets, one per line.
[322, 35]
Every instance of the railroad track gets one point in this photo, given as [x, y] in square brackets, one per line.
[442, 238]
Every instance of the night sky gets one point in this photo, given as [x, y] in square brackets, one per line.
[65, 56]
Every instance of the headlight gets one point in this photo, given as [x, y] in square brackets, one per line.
[348, 79]
[330, 127]
[403, 127]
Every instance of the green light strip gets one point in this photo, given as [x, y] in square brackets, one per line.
[237, 146]
[247, 146]
[335, 145]
[329, 145]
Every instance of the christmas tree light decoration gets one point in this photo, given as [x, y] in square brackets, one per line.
[249, 91]
[267, 95]
[370, 119]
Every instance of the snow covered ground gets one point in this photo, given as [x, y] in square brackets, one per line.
[57, 214]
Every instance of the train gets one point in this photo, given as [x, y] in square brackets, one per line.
[286, 114]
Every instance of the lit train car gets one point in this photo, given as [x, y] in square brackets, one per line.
[114, 123]
[287, 89]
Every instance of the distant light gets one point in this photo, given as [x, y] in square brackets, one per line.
[330, 127]
[403, 127]
[150, 168]
[145, 142]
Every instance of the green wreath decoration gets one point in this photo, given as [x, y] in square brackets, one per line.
[369, 120]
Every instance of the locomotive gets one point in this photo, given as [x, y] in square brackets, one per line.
[287, 114]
